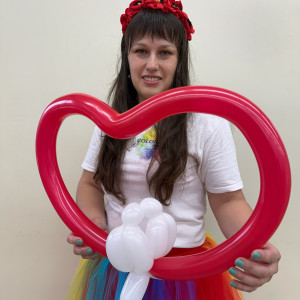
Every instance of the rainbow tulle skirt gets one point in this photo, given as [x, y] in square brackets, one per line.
[99, 280]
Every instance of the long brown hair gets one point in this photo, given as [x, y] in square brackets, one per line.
[171, 132]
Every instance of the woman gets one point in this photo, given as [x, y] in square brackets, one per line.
[178, 161]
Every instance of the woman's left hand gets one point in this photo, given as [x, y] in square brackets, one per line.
[252, 273]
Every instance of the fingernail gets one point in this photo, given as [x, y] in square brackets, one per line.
[239, 263]
[256, 255]
[89, 251]
[232, 271]
[79, 242]
[96, 255]
[233, 284]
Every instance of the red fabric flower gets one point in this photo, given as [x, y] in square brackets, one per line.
[167, 6]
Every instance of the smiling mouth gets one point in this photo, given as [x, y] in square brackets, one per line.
[151, 79]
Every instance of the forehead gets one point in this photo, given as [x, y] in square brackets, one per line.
[152, 41]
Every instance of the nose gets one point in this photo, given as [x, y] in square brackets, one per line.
[152, 62]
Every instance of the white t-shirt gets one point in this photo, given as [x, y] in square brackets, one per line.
[211, 166]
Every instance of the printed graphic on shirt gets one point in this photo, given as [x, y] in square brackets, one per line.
[145, 144]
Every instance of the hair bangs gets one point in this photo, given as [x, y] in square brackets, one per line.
[156, 24]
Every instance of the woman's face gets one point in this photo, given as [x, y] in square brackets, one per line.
[152, 64]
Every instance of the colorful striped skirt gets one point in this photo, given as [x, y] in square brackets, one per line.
[99, 280]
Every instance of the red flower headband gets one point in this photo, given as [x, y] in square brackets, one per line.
[167, 6]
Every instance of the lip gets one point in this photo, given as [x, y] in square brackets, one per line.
[150, 79]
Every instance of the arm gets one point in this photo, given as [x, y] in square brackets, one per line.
[232, 212]
[90, 199]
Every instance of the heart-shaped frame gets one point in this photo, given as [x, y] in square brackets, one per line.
[262, 136]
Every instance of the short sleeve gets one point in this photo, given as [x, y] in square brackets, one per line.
[91, 157]
[219, 167]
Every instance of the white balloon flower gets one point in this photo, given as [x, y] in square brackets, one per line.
[132, 249]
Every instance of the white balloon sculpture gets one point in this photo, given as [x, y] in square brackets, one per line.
[132, 249]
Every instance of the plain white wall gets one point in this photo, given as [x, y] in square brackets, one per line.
[52, 48]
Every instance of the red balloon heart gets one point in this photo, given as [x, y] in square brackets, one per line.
[261, 134]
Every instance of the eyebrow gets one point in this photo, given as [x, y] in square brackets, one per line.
[161, 46]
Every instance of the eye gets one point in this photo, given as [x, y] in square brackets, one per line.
[165, 53]
[140, 51]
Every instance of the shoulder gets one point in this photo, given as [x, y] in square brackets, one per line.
[205, 124]
[97, 139]
[98, 134]
[205, 129]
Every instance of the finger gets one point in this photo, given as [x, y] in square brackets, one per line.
[74, 240]
[99, 222]
[261, 271]
[85, 252]
[93, 256]
[247, 282]
[242, 287]
[267, 254]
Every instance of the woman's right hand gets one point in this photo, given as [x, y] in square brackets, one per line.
[79, 248]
